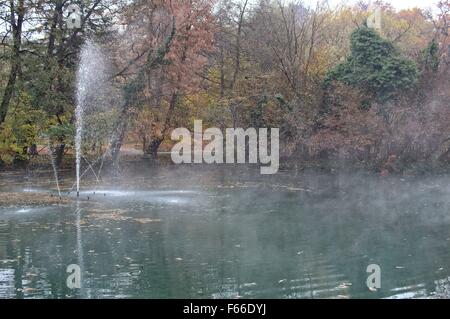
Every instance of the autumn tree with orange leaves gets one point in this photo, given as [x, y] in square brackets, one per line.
[169, 42]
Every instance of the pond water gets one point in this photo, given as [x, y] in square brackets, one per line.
[228, 232]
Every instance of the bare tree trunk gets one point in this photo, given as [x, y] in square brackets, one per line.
[154, 146]
[132, 91]
[9, 90]
[222, 71]
[16, 25]
[156, 142]
[59, 154]
[33, 151]
[238, 46]
[57, 16]
[144, 143]
[119, 133]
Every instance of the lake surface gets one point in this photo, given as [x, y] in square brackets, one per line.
[228, 232]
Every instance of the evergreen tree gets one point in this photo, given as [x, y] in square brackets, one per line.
[375, 67]
[431, 56]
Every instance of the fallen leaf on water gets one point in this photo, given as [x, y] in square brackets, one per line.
[147, 220]
[29, 289]
[29, 198]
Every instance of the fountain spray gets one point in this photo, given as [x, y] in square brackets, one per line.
[55, 171]
[78, 136]
[91, 76]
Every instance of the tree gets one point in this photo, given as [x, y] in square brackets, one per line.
[42, 55]
[133, 91]
[375, 67]
[16, 17]
[62, 45]
[430, 59]
[229, 47]
[175, 37]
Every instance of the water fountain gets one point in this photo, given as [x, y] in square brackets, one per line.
[55, 171]
[91, 76]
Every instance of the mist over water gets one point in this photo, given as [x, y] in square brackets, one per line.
[228, 232]
[343, 109]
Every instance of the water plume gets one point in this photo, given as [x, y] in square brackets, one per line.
[91, 77]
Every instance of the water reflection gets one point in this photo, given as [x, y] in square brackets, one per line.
[79, 251]
[215, 234]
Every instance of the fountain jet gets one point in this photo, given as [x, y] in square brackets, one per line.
[55, 171]
[91, 76]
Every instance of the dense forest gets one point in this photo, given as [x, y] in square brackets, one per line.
[337, 89]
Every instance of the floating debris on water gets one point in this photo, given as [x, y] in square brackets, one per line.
[30, 198]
